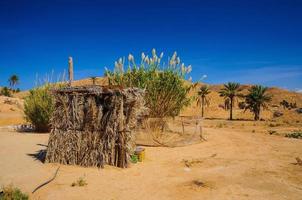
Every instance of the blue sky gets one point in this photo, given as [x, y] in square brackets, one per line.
[255, 42]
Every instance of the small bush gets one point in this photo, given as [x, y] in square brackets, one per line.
[38, 108]
[80, 182]
[221, 125]
[295, 134]
[5, 91]
[273, 125]
[272, 132]
[12, 193]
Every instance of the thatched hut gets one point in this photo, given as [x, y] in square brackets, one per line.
[92, 126]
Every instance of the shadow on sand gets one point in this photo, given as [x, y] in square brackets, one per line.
[40, 154]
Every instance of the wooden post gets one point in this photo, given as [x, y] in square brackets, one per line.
[122, 158]
[183, 126]
[70, 69]
[200, 129]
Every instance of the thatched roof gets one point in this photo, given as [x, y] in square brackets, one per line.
[97, 90]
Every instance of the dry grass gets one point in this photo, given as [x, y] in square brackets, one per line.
[92, 126]
[80, 182]
[12, 193]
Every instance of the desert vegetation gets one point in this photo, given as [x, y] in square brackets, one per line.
[9, 90]
[5, 91]
[80, 182]
[93, 79]
[295, 134]
[203, 99]
[230, 92]
[38, 107]
[256, 99]
[12, 193]
[166, 89]
[13, 81]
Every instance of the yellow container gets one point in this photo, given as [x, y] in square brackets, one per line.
[140, 152]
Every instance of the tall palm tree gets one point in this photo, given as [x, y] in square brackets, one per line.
[203, 100]
[256, 99]
[231, 91]
[13, 80]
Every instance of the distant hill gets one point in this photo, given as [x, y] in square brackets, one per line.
[214, 110]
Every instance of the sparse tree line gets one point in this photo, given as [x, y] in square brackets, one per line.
[13, 82]
[256, 99]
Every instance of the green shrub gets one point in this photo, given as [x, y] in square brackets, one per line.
[38, 108]
[5, 91]
[12, 193]
[295, 134]
[166, 90]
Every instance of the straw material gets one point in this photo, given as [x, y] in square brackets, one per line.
[92, 126]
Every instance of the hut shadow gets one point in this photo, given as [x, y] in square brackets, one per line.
[39, 155]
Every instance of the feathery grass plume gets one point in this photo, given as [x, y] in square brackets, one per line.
[166, 91]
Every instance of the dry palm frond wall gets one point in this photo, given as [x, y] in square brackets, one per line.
[92, 126]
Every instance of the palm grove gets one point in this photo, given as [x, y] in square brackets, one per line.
[256, 99]
[13, 82]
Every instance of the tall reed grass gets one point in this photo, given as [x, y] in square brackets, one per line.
[166, 84]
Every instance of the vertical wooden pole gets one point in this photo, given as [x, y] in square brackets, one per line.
[200, 129]
[183, 126]
[70, 69]
[122, 157]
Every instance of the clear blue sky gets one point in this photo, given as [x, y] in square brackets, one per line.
[257, 41]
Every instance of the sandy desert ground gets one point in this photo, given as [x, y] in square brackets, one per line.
[236, 162]
[239, 160]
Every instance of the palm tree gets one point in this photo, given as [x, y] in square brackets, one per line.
[13, 80]
[93, 78]
[230, 91]
[203, 100]
[256, 99]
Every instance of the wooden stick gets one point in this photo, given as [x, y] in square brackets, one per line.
[53, 178]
